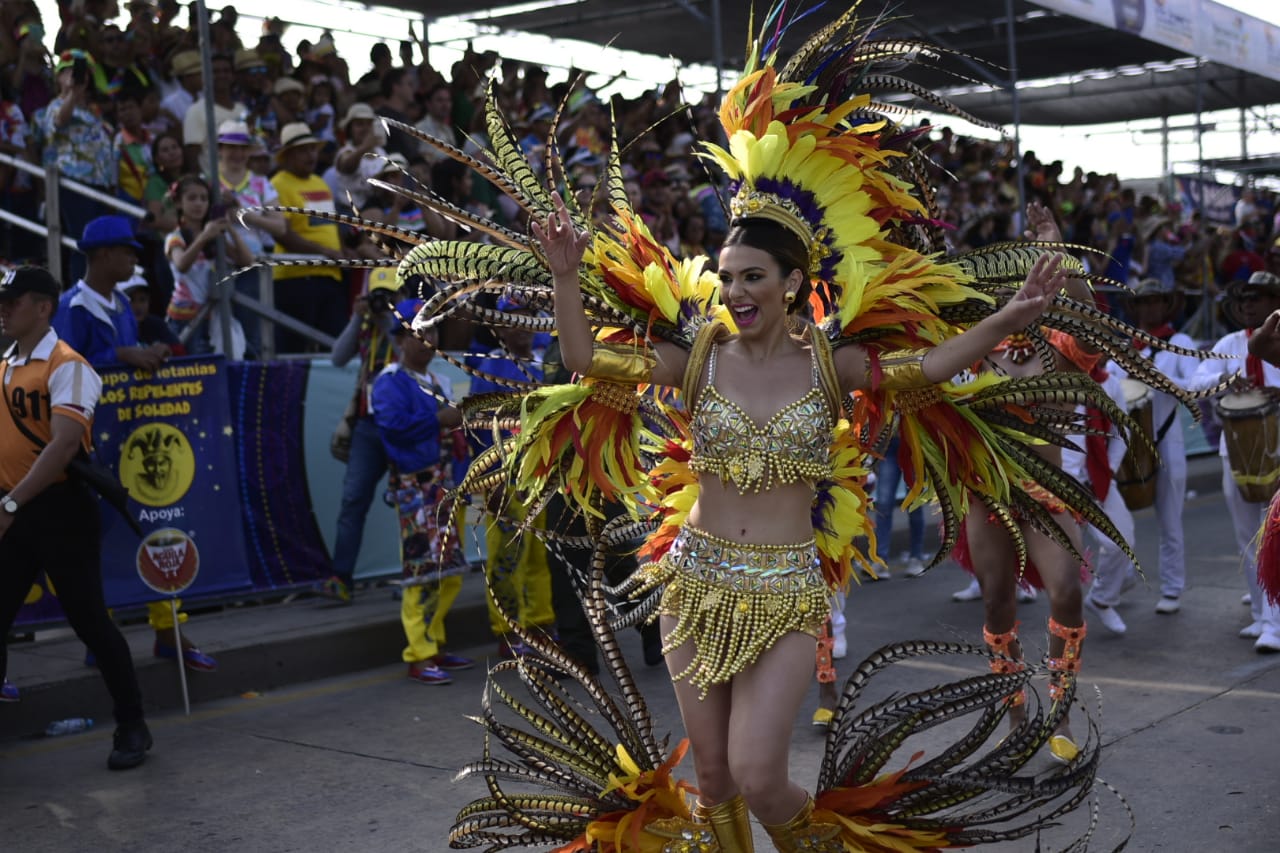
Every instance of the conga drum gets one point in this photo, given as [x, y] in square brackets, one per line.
[1136, 478]
[1251, 428]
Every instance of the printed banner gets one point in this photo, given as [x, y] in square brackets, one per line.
[168, 435]
[1198, 27]
[1219, 199]
[169, 438]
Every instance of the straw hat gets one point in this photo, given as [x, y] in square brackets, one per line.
[287, 84]
[294, 135]
[357, 112]
[232, 132]
[185, 62]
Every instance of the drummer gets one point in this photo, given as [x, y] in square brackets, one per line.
[1249, 303]
[1151, 308]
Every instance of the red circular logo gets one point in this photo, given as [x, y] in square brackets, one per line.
[168, 561]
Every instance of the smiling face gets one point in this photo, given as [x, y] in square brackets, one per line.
[754, 289]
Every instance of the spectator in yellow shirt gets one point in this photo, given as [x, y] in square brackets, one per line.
[315, 295]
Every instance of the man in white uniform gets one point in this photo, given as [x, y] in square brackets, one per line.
[1150, 306]
[1251, 302]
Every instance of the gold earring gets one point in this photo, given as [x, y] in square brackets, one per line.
[789, 298]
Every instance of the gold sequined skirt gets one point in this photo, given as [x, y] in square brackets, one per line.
[735, 600]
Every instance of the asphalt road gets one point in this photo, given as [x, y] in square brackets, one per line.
[1189, 715]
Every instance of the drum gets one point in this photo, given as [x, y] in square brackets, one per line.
[1136, 477]
[1251, 428]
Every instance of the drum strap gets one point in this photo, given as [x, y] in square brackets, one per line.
[1164, 427]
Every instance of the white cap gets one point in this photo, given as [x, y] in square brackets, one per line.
[135, 280]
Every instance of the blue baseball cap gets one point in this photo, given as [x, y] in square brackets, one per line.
[107, 231]
[408, 309]
[507, 304]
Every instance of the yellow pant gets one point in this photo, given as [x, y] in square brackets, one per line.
[422, 612]
[517, 576]
[160, 616]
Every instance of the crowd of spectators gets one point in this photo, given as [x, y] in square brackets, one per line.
[118, 106]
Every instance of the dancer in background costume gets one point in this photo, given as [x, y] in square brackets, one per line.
[1052, 552]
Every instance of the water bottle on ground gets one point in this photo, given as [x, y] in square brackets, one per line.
[68, 727]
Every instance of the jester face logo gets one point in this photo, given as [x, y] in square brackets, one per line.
[157, 465]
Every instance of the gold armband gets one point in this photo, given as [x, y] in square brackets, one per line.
[901, 370]
[626, 363]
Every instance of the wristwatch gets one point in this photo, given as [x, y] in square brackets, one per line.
[9, 505]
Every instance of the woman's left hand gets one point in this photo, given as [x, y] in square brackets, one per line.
[1041, 225]
[1265, 340]
[1048, 275]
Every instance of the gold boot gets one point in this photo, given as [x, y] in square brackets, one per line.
[801, 835]
[683, 836]
[730, 823]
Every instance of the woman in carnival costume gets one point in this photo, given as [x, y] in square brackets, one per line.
[751, 487]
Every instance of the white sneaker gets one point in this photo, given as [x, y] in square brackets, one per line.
[1252, 631]
[1268, 643]
[972, 592]
[1027, 594]
[915, 567]
[1246, 599]
[1168, 604]
[1108, 616]
[839, 646]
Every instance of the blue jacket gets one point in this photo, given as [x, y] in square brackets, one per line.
[496, 363]
[92, 330]
[407, 419]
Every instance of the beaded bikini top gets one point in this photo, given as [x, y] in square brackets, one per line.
[793, 446]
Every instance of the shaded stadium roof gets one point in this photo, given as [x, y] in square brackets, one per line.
[1049, 46]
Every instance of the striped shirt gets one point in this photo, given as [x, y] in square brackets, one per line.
[53, 380]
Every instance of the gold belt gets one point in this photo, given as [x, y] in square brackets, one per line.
[735, 600]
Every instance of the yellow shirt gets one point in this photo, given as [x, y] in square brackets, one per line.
[312, 193]
[53, 380]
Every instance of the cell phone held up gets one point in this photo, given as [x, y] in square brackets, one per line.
[80, 71]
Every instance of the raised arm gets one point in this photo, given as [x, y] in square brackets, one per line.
[1043, 227]
[562, 246]
[955, 354]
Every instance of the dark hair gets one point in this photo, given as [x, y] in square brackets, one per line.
[379, 49]
[781, 244]
[443, 174]
[392, 79]
[155, 146]
[188, 230]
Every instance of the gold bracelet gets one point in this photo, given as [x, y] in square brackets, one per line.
[903, 369]
[627, 363]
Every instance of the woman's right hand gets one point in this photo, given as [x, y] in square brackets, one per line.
[213, 228]
[561, 244]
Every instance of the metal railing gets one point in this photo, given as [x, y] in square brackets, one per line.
[264, 306]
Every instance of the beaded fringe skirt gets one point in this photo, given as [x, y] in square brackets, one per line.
[735, 600]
